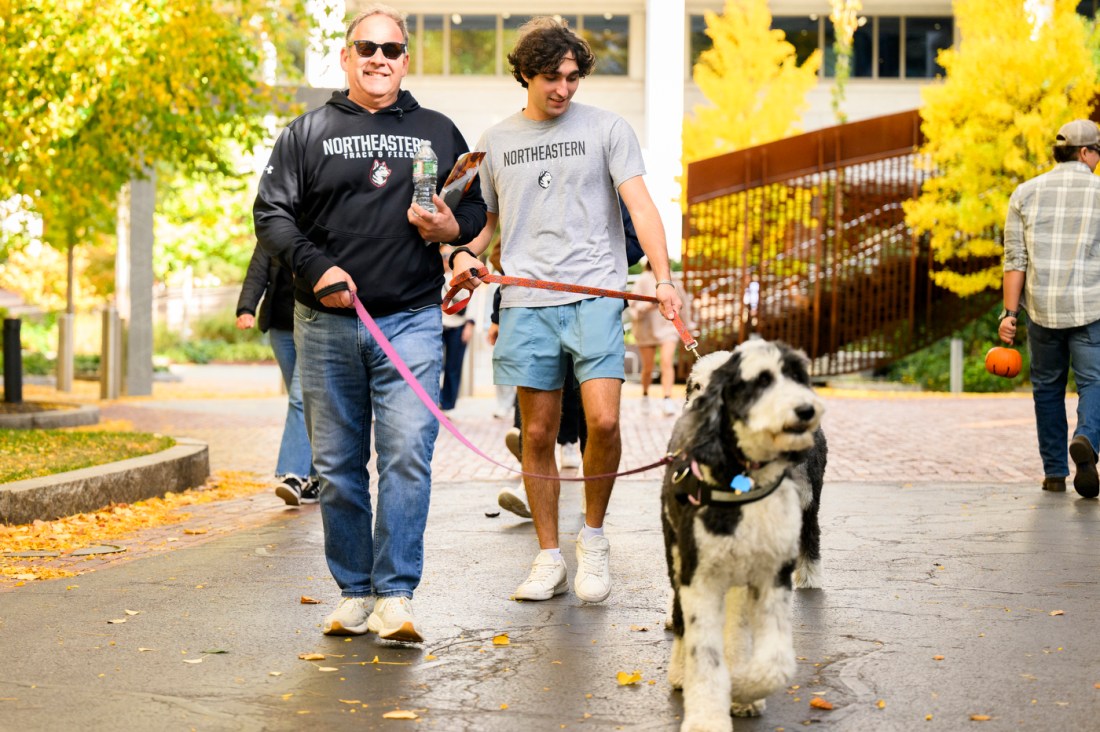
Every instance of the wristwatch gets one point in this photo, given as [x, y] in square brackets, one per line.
[1006, 313]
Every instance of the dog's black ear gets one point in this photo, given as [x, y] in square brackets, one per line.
[713, 439]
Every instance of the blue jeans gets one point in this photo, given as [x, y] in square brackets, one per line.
[294, 453]
[454, 350]
[1053, 352]
[346, 381]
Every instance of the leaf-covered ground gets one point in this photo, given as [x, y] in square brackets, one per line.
[36, 453]
[113, 524]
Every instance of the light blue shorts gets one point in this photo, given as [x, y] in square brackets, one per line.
[534, 344]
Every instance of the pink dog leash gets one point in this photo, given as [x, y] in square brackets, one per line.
[411, 380]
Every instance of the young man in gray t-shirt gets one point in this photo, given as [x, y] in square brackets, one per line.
[551, 178]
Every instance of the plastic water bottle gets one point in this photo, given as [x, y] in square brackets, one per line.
[425, 165]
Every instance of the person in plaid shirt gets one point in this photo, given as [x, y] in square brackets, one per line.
[1052, 270]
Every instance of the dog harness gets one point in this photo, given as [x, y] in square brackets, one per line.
[692, 488]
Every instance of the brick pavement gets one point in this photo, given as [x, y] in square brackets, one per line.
[874, 435]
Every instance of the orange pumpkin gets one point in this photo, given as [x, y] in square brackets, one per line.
[1002, 361]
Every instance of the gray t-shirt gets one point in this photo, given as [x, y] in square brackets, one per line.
[554, 184]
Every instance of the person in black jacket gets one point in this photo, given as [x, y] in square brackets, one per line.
[266, 279]
[333, 205]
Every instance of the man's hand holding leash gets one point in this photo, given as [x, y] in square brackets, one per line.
[668, 300]
[335, 289]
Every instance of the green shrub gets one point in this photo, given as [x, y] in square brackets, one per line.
[930, 367]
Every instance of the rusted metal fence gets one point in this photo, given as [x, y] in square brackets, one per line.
[804, 240]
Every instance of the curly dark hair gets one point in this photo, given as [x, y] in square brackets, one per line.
[543, 43]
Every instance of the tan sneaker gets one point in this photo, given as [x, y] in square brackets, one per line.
[349, 617]
[392, 619]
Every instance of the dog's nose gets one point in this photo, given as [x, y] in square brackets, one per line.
[805, 412]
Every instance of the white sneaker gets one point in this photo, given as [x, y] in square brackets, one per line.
[547, 579]
[570, 455]
[645, 403]
[669, 407]
[349, 617]
[392, 619]
[512, 500]
[512, 442]
[593, 580]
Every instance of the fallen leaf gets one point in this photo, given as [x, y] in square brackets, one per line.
[503, 706]
[274, 673]
[192, 660]
[349, 701]
[117, 621]
[937, 658]
[327, 668]
[1096, 685]
[312, 656]
[216, 650]
[639, 628]
[309, 601]
[429, 657]
[928, 718]
[374, 660]
[501, 640]
[980, 717]
[626, 679]
[194, 531]
[288, 695]
[143, 650]
[133, 612]
[881, 704]
[400, 714]
[1057, 612]
[819, 703]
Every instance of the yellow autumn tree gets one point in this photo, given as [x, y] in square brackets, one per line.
[1012, 80]
[753, 81]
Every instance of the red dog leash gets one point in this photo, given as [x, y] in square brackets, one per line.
[482, 273]
[410, 379]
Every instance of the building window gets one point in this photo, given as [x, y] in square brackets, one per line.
[473, 44]
[924, 38]
[889, 47]
[609, 37]
[801, 32]
[699, 41]
[426, 44]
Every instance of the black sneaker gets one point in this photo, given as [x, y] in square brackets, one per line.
[311, 491]
[290, 490]
[1086, 481]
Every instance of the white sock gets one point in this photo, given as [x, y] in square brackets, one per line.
[554, 554]
[588, 532]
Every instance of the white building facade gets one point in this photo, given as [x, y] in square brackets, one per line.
[645, 51]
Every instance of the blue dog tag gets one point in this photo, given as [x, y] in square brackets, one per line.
[741, 484]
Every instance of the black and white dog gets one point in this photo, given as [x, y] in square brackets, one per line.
[739, 511]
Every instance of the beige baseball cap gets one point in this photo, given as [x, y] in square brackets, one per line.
[1078, 133]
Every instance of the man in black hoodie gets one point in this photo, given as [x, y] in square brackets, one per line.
[334, 206]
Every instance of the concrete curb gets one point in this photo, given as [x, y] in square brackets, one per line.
[178, 468]
[78, 416]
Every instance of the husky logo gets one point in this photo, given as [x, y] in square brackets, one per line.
[545, 178]
[379, 173]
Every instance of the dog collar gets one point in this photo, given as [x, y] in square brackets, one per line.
[694, 489]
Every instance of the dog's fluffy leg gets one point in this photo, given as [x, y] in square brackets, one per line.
[706, 678]
[738, 644]
[807, 573]
[676, 664]
[772, 664]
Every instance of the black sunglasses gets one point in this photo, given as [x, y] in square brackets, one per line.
[391, 50]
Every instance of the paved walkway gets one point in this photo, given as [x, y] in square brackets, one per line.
[954, 587]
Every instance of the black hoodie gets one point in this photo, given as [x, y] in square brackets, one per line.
[337, 190]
